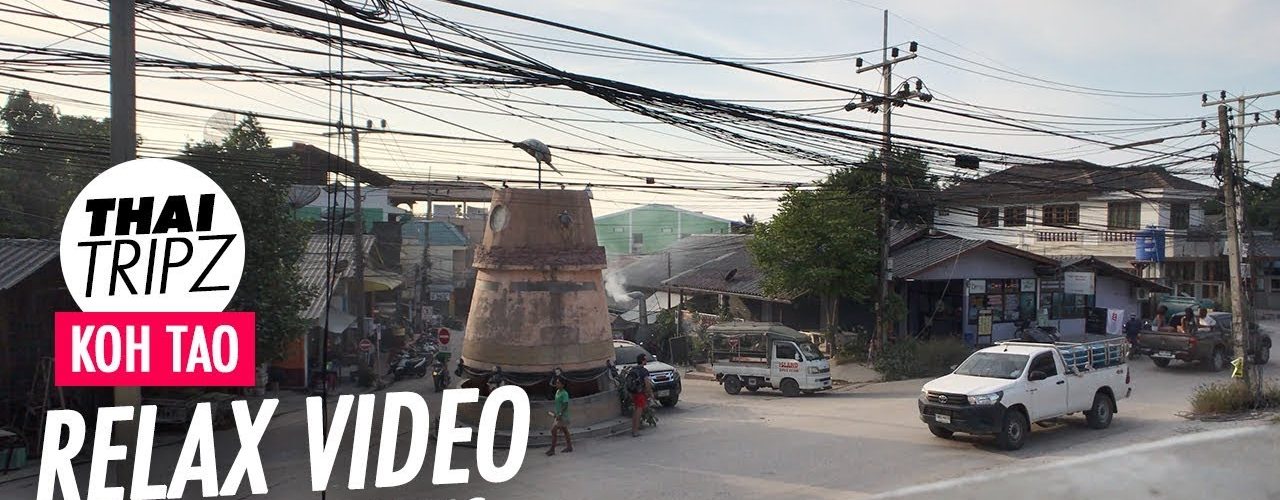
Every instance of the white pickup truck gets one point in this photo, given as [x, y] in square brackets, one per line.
[758, 355]
[1003, 389]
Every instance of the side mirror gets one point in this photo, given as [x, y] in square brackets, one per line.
[954, 367]
[1037, 375]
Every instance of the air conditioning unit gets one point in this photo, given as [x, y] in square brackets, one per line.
[1141, 294]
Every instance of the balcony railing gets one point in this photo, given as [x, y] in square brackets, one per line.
[1057, 236]
[1110, 236]
[1113, 239]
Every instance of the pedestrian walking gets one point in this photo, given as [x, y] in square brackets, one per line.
[561, 421]
[641, 389]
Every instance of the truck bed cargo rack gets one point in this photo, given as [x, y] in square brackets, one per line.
[1084, 356]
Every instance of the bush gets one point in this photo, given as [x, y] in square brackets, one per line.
[911, 358]
[853, 347]
[1232, 397]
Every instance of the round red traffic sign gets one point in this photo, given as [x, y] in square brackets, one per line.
[443, 335]
[366, 345]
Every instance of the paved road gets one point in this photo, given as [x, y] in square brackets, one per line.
[1235, 463]
[854, 442]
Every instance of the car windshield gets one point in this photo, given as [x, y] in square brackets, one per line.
[626, 355]
[993, 365]
[811, 353]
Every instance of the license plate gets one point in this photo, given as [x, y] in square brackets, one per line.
[1163, 354]
[662, 394]
[942, 419]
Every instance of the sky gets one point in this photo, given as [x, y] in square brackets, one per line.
[1171, 47]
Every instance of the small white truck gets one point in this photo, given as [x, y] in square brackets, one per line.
[1002, 390]
[754, 355]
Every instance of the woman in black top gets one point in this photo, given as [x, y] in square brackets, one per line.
[1189, 323]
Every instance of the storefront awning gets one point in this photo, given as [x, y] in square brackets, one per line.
[338, 321]
[381, 282]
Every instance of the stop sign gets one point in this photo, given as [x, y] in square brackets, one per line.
[443, 335]
[366, 345]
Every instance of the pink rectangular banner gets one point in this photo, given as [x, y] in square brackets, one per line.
[198, 349]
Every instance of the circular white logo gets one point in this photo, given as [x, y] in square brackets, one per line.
[152, 235]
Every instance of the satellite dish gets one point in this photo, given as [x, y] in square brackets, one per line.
[301, 196]
[219, 126]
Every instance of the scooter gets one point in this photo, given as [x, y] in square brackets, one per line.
[410, 362]
[440, 375]
[1037, 334]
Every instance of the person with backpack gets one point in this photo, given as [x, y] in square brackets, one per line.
[641, 389]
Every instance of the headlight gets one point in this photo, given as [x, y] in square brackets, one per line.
[813, 370]
[985, 399]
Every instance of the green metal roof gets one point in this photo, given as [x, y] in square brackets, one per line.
[443, 233]
[773, 330]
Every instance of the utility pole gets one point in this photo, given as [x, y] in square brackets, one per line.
[358, 240]
[424, 267]
[124, 147]
[1239, 324]
[885, 103]
[358, 263]
[675, 316]
[1230, 166]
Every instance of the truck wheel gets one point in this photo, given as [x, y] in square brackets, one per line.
[1161, 362]
[1217, 361]
[1264, 353]
[732, 385]
[1013, 432]
[1099, 416]
[941, 432]
[669, 402]
[790, 388]
[752, 389]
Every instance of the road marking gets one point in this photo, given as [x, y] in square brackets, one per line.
[1118, 452]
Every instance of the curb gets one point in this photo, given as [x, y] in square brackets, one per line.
[695, 375]
[542, 439]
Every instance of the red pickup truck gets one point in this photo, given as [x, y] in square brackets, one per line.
[1211, 345]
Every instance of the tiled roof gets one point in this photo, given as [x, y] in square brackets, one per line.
[1068, 180]
[20, 258]
[649, 271]
[315, 165]
[901, 233]
[315, 267]
[925, 253]
[734, 273]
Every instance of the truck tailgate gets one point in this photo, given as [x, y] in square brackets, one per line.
[1164, 341]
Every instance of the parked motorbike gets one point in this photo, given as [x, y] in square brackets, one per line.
[1038, 334]
[410, 362]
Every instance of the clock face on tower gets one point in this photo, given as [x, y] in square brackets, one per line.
[498, 218]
